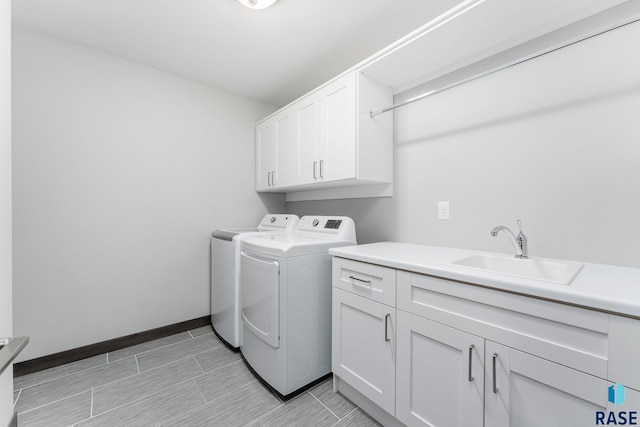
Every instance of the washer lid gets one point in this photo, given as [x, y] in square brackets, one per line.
[230, 233]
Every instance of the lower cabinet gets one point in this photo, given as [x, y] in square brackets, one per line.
[528, 391]
[446, 377]
[473, 358]
[440, 374]
[363, 352]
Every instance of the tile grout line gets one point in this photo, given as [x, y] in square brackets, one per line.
[154, 349]
[65, 375]
[141, 398]
[51, 403]
[185, 357]
[200, 390]
[17, 397]
[235, 362]
[205, 400]
[137, 365]
[176, 343]
[199, 366]
[117, 360]
[265, 414]
[109, 381]
[350, 412]
[327, 408]
[130, 376]
[231, 391]
[190, 410]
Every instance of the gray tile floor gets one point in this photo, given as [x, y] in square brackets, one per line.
[188, 379]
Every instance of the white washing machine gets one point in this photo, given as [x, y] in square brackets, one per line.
[285, 283]
[225, 272]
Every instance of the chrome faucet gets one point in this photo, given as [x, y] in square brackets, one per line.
[519, 242]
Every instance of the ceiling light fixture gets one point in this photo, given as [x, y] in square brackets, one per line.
[257, 4]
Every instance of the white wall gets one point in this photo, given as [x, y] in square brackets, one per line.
[120, 173]
[554, 141]
[6, 379]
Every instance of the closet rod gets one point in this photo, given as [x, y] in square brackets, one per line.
[372, 114]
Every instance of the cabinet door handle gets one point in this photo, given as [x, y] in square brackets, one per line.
[471, 347]
[495, 385]
[315, 176]
[366, 282]
[268, 179]
[321, 168]
[386, 327]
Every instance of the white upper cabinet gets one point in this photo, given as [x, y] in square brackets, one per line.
[329, 139]
[327, 145]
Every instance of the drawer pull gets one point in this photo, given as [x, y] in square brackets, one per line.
[386, 327]
[361, 282]
[471, 347]
[495, 385]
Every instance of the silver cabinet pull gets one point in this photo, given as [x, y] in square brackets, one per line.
[315, 176]
[386, 327]
[268, 179]
[471, 347]
[355, 280]
[321, 168]
[495, 385]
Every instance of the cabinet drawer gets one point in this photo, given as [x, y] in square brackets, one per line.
[561, 333]
[367, 280]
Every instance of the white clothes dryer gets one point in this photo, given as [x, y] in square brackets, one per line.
[225, 272]
[285, 283]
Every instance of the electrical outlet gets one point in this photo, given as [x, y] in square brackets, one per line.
[443, 210]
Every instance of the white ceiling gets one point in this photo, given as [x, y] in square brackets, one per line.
[275, 54]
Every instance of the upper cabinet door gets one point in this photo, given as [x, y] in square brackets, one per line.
[265, 154]
[285, 170]
[337, 158]
[307, 138]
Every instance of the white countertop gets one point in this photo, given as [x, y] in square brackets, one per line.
[603, 287]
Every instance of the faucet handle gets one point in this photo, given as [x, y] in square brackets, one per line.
[519, 224]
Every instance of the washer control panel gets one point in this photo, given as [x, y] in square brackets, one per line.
[284, 222]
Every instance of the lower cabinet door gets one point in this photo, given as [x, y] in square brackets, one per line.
[363, 346]
[440, 374]
[526, 391]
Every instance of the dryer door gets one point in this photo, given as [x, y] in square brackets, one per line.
[260, 289]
